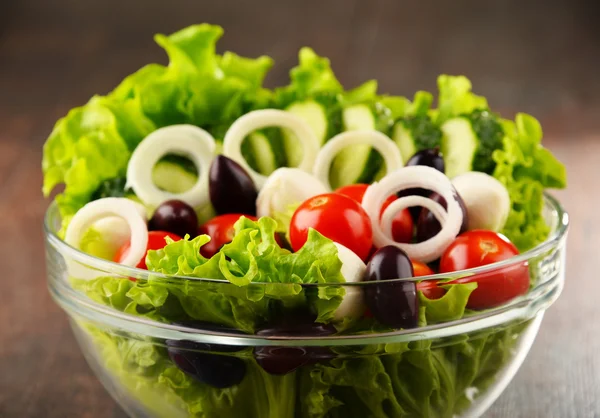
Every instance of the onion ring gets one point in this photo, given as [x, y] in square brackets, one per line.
[258, 119]
[402, 203]
[414, 177]
[382, 143]
[186, 140]
[96, 210]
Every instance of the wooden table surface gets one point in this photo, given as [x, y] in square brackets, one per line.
[56, 54]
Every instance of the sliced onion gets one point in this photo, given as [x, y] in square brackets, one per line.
[382, 143]
[285, 187]
[185, 140]
[258, 119]
[407, 178]
[101, 209]
[402, 203]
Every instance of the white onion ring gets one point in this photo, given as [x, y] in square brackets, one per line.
[258, 119]
[382, 143]
[186, 140]
[414, 177]
[402, 203]
[96, 210]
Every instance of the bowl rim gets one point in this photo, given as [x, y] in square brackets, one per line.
[538, 297]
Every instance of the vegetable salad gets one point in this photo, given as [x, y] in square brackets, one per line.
[196, 169]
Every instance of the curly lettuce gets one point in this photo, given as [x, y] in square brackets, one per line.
[93, 142]
[526, 168]
[252, 257]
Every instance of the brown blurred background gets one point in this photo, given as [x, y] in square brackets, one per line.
[540, 57]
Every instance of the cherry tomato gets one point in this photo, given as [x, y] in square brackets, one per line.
[220, 229]
[402, 224]
[429, 287]
[156, 241]
[337, 217]
[477, 248]
[421, 269]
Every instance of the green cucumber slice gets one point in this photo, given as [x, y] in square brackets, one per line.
[405, 141]
[313, 113]
[350, 164]
[459, 145]
[172, 175]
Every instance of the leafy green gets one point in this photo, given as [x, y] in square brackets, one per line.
[488, 129]
[114, 187]
[449, 307]
[526, 168]
[425, 133]
[455, 98]
[93, 143]
[312, 77]
[84, 149]
[93, 242]
[252, 257]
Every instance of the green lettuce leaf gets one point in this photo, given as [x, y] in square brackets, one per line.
[255, 257]
[525, 167]
[238, 302]
[312, 76]
[455, 98]
[93, 143]
[84, 149]
[449, 307]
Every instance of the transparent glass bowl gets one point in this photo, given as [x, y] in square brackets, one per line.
[157, 369]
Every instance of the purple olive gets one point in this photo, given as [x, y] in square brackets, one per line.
[231, 188]
[393, 304]
[196, 360]
[175, 216]
[427, 157]
[282, 360]
[427, 224]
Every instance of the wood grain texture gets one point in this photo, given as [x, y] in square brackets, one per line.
[539, 57]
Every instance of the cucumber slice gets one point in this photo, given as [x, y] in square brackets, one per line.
[350, 164]
[405, 141]
[264, 158]
[264, 151]
[459, 145]
[315, 115]
[173, 177]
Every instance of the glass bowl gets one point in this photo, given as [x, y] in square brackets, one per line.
[182, 369]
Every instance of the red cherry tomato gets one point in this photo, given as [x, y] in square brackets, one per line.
[478, 248]
[402, 224]
[421, 269]
[337, 217]
[156, 241]
[429, 287]
[220, 229]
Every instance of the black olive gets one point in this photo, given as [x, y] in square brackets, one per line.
[430, 158]
[427, 157]
[231, 188]
[279, 360]
[393, 304]
[175, 216]
[427, 224]
[199, 361]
